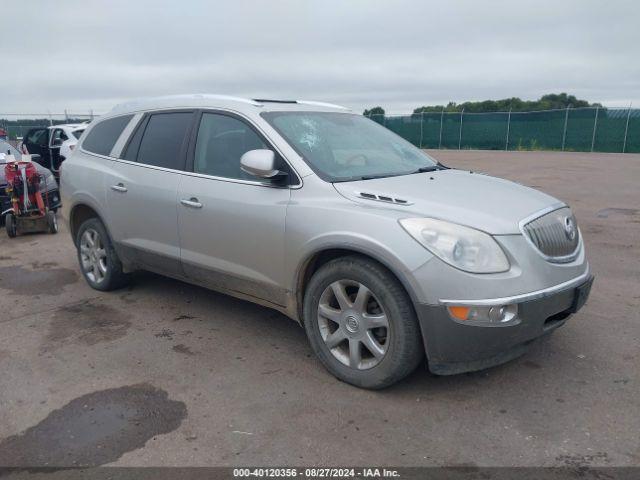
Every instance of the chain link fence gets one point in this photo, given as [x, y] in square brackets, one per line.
[14, 126]
[591, 129]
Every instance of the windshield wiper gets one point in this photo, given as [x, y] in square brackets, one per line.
[431, 168]
[383, 175]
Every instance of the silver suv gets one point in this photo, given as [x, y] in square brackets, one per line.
[383, 254]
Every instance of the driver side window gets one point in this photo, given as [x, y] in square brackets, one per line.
[221, 142]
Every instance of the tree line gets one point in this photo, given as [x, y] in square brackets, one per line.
[546, 102]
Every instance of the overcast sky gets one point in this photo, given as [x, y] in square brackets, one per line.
[86, 54]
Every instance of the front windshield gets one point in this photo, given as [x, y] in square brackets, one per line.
[341, 147]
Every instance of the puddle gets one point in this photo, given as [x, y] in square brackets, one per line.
[95, 429]
[628, 212]
[48, 281]
[87, 323]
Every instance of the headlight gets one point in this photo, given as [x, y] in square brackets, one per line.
[462, 247]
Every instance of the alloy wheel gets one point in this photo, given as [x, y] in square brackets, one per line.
[93, 256]
[353, 324]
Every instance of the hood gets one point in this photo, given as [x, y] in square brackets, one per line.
[486, 203]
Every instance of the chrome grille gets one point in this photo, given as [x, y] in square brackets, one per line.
[555, 235]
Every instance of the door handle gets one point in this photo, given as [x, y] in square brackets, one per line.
[192, 202]
[119, 188]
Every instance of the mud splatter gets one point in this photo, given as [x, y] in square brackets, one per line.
[87, 323]
[95, 429]
[182, 348]
[165, 333]
[583, 461]
[21, 281]
[43, 265]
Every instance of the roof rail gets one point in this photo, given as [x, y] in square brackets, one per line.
[321, 104]
[146, 100]
[269, 100]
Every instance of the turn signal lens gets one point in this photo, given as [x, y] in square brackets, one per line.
[488, 316]
[461, 313]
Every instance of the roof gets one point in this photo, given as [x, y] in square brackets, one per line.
[72, 126]
[221, 101]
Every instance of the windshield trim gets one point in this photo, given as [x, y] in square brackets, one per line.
[320, 173]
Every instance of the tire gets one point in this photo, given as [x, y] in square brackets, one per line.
[100, 264]
[10, 225]
[52, 222]
[370, 339]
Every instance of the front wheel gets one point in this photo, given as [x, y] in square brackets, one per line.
[361, 323]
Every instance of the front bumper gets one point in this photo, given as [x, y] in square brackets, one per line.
[453, 347]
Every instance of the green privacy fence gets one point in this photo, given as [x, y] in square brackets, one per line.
[571, 129]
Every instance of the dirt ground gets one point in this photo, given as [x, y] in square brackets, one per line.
[163, 373]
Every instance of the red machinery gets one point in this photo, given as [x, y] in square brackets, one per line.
[28, 212]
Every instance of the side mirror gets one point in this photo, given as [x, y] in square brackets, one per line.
[260, 163]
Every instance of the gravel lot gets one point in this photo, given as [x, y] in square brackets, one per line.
[163, 373]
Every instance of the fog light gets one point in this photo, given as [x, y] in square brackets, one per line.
[489, 316]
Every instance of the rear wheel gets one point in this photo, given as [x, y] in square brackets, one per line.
[10, 225]
[361, 323]
[98, 259]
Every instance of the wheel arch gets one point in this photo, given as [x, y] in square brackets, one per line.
[80, 213]
[314, 260]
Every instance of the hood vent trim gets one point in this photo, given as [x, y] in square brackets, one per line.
[384, 198]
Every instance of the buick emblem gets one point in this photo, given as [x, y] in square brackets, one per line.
[570, 228]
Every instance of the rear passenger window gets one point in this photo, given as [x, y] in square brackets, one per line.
[104, 135]
[163, 139]
[222, 140]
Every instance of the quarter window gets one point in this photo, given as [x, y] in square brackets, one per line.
[221, 141]
[163, 139]
[104, 135]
